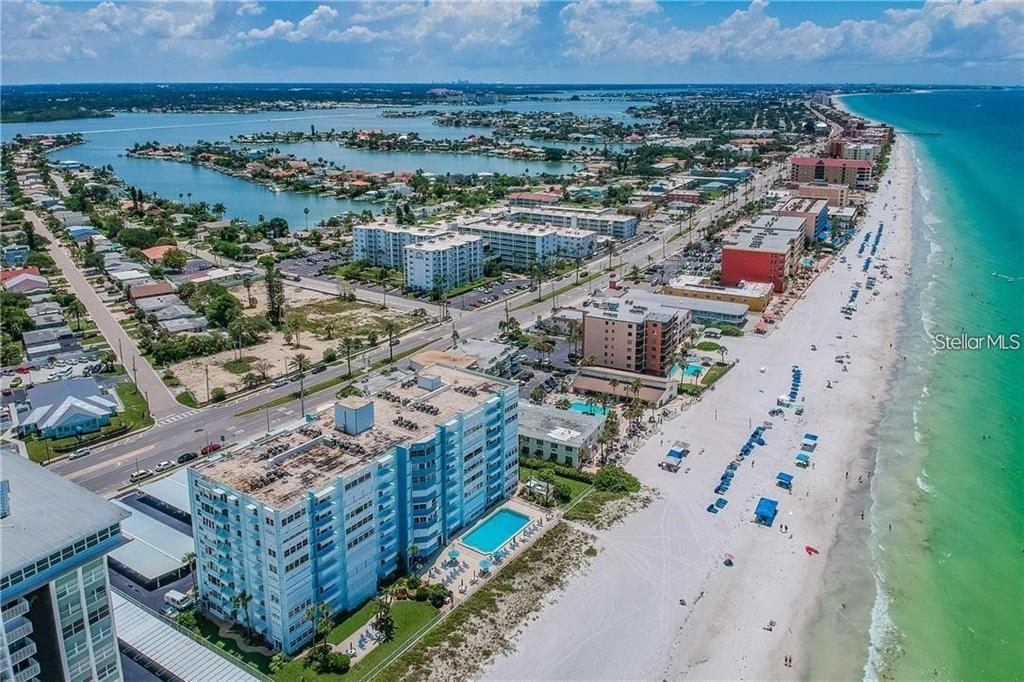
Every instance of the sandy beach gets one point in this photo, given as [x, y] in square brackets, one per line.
[622, 619]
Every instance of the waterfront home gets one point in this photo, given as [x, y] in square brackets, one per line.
[155, 303]
[155, 254]
[562, 436]
[67, 408]
[184, 324]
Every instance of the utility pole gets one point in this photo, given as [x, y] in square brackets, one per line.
[207, 368]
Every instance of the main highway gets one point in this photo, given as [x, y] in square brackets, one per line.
[107, 469]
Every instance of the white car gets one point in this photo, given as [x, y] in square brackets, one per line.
[80, 452]
[139, 475]
[165, 465]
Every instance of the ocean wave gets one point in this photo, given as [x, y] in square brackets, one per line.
[924, 487]
[882, 633]
[932, 219]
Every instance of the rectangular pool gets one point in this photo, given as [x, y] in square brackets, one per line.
[580, 406]
[495, 531]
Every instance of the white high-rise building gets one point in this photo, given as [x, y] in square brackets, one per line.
[54, 588]
[519, 246]
[605, 221]
[382, 244]
[448, 261]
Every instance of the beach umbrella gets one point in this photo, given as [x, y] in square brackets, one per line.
[453, 554]
[728, 559]
[485, 565]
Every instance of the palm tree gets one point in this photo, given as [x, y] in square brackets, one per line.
[614, 383]
[455, 335]
[348, 346]
[383, 621]
[575, 336]
[634, 388]
[189, 195]
[301, 363]
[391, 329]
[319, 615]
[382, 279]
[328, 328]
[78, 308]
[305, 212]
[609, 247]
[189, 559]
[241, 602]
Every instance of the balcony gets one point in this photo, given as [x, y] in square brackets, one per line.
[18, 628]
[18, 608]
[20, 654]
[27, 673]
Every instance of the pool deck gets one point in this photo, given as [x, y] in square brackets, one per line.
[469, 580]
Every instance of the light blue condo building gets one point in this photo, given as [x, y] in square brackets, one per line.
[325, 511]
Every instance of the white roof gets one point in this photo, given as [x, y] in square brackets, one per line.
[169, 648]
[155, 550]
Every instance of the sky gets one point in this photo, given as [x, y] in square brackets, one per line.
[521, 41]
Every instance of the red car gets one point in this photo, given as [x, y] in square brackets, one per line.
[212, 447]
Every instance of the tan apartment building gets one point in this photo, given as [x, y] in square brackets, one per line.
[755, 295]
[853, 173]
[635, 333]
[837, 196]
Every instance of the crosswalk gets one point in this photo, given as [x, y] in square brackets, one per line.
[175, 418]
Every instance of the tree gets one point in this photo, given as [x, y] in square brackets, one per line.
[218, 395]
[382, 279]
[93, 260]
[301, 363]
[241, 602]
[277, 662]
[383, 621]
[538, 395]
[77, 308]
[189, 559]
[263, 368]
[247, 283]
[414, 553]
[174, 260]
[391, 329]
[348, 346]
[275, 295]
[609, 247]
[293, 326]
[223, 310]
[319, 615]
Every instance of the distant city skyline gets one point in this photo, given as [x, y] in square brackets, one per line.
[528, 41]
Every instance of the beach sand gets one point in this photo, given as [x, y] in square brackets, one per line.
[622, 618]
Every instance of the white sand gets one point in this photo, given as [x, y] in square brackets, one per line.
[622, 618]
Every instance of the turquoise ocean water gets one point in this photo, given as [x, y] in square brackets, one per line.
[941, 593]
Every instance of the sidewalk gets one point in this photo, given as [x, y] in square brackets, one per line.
[161, 402]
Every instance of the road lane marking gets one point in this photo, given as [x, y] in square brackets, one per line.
[120, 461]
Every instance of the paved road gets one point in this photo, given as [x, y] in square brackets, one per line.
[161, 402]
[108, 468]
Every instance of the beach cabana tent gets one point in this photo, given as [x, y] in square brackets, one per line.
[803, 461]
[765, 512]
[809, 442]
[784, 480]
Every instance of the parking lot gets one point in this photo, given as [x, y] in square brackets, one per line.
[41, 372]
[311, 266]
[490, 293]
[698, 259]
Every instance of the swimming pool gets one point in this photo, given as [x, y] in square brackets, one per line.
[596, 410]
[692, 370]
[496, 530]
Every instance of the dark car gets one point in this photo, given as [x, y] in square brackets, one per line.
[212, 447]
[187, 457]
[317, 369]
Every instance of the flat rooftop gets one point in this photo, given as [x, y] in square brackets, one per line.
[47, 513]
[769, 221]
[803, 205]
[277, 472]
[559, 426]
[696, 283]
[444, 241]
[578, 211]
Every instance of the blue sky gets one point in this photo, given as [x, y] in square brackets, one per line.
[593, 41]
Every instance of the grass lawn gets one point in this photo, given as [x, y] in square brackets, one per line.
[369, 273]
[240, 365]
[589, 507]
[410, 617]
[209, 632]
[560, 291]
[714, 373]
[577, 487]
[187, 399]
[707, 346]
[348, 318]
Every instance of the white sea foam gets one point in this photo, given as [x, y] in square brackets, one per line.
[882, 632]
[932, 219]
[924, 487]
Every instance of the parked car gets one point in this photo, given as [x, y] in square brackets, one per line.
[165, 465]
[140, 475]
[80, 452]
[212, 447]
[187, 457]
[317, 369]
[278, 383]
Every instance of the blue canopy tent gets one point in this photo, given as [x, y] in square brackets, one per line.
[809, 442]
[803, 461]
[765, 512]
[485, 565]
[784, 480]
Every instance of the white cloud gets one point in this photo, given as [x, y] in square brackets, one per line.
[246, 9]
[639, 32]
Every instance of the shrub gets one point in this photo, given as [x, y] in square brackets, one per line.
[330, 355]
[560, 469]
[337, 664]
[218, 395]
[563, 493]
[615, 479]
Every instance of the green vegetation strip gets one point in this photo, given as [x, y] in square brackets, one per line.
[558, 292]
[577, 487]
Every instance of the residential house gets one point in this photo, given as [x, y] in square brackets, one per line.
[67, 408]
[562, 436]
